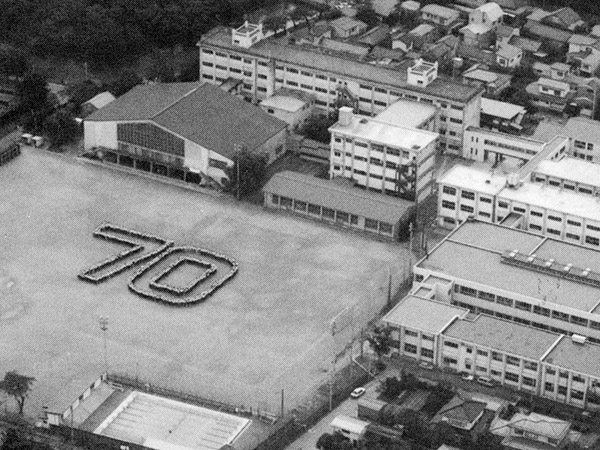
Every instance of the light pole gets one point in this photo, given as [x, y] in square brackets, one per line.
[103, 321]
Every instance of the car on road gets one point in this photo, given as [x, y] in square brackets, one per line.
[426, 366]
[467, 376]
[485, 381]
[358, 392]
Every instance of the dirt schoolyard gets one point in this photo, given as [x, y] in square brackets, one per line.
[266, 330]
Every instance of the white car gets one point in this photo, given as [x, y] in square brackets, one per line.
[426, 366]
[467, 377]
[358, 392]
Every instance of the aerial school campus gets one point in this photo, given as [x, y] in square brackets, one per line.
[264, 331]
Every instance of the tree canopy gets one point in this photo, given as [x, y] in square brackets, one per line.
[17, 386]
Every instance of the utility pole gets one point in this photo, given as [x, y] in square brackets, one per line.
[410, 253]
[104, 327]
[282, 403]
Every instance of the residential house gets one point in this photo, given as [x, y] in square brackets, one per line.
[501, 116]
[410, 6]
[439, 14]
[483, 22]
[415, 38]
[564, 18]
[375, 35]
[351, 428]
[528, 46]
[536, 431]
[345, 27]
[493, 82]
[534, 28]
[508, 56]
[460, 413]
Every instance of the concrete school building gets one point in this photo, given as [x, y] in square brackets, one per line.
[556, 198]
[187, 131]
[268, 64]
[392, 153]
[487, 323]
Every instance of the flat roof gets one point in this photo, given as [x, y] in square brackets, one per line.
[373, 130]
[280, 50]
[576, 357]
[583, 129]
[165, 424]
[284, 102]
[339, 196]
[553, 199]
[405, 113]
[481, 75]
[479, 246]
[423, 314]
[503, 335]
[500, 109]
[572, 169]
[474, 179]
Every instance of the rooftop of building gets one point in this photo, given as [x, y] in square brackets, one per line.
[423, 314]
[582, 128]
[101, 100]
[144, 101]
[525, 44]
[405, 113]
[492, 9]
[481, 75]
[501, 109]
[458, 409]
[385, 133]
[508, 51]
[566, 202]
[580, 39]
[555, 84]
[351, 424]
[347, 23]
[201, 113]
[545, 31]
[343, 66]
[572, 169]
[480, 245]
[440, 11]
[338, 196]
[471, 178]
[540, 425]
[575, 357]
[503, 335]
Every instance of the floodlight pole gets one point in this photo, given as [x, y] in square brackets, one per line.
[103, 321]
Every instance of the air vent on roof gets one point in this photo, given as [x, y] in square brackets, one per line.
[586, 272]
[513, 253]
[549, 262]
[531, 258]
[568, 267]
[578, 339]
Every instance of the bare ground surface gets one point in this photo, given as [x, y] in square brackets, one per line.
[267, 330]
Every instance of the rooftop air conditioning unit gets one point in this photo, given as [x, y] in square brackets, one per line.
[586, 272]
[549, 262]
[531, 258]
[568, 267]
[578, 339]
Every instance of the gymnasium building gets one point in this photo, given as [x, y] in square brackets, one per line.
[186, 131]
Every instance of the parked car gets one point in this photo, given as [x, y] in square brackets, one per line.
[426, 366]
[486, 381]
[467, 376]
[358, 392]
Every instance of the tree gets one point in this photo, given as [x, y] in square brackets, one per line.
[126, 80]
[61, 128]
[275, 23]
[317, 127]
[367, 14]
[381, 340]
[334, 441]
[391, 387]
[12, 61]
[33, 92]
[247, 173]
[17, 386]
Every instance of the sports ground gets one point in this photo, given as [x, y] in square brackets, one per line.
[267, 330]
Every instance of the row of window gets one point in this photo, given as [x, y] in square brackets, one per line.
[524, 306]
